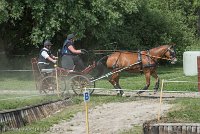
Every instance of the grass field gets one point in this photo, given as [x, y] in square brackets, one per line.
[185, 110]
[137, 81]
[18, 88]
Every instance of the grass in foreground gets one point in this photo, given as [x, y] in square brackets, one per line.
[135, 130]
[14, 103]
[185, 110]
[66, 114]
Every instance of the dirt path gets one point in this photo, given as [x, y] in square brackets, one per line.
[112, 118]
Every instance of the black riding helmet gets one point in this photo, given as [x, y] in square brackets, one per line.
[70, 36]
[47, 43]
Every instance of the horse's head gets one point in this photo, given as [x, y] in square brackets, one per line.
[170, 53]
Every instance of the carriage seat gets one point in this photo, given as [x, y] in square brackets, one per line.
[36, 68]
[47, 70]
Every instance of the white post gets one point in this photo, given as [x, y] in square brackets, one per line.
[161, 94]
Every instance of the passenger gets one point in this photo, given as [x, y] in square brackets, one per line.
[46, 57]
[70, 56]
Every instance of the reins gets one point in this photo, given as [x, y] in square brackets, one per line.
[157, 57]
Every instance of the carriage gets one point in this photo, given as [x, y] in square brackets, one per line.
[65, 81]
[61, 81]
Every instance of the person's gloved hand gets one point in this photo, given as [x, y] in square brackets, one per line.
[54, 61]
[83, 51]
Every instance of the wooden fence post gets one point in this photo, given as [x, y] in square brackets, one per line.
[198, 67]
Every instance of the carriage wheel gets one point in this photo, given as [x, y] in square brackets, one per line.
[78, 83]
[48, 85]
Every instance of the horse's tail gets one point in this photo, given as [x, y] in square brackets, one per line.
[101, 65]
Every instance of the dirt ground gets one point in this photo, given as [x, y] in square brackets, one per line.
[112, 118]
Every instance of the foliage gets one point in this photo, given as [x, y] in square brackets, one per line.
[132, 24]
[49, 17]
[155, 24]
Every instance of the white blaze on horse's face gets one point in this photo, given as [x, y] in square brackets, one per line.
[174, 60]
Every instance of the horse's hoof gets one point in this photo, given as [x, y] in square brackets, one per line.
[138, 93]
[121, 92]
[155, 89]
[123, 95]
[118, 93]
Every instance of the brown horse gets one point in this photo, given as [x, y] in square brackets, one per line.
[141, 61]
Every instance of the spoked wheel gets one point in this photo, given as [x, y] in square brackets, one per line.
[48, 85]
[78, 83]
[37, 83]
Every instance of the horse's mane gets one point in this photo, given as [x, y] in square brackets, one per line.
[160, 47]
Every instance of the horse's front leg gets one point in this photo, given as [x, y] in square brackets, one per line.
[155, 75]
[114, 80]
[147, 76]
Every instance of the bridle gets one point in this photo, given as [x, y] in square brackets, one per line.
[172, 54]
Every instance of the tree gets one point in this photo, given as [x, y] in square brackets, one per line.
[158, 22]
[44, 19]
[130, 24]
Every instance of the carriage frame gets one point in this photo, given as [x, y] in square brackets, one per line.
[62, 81]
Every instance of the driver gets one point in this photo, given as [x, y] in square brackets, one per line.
[70, 56]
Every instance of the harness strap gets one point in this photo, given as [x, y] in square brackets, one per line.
[149, 65]
[140, 60]
[149, 60]
[115, 65]
[139, 56]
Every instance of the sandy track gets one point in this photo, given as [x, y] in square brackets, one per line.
[112, 118]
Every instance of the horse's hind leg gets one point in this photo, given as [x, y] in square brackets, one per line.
[147, 76]
[155, 75]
